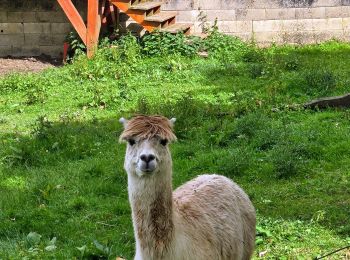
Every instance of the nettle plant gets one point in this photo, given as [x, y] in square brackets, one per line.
[163, 43]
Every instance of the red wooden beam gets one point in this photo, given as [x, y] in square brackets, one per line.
[74, 17]
[93, 27]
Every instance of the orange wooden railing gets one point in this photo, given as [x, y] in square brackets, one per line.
[147, 14]
[96, 15]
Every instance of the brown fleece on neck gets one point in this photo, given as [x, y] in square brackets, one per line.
[155, 227]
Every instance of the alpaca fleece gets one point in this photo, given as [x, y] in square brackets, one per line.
[209, 217]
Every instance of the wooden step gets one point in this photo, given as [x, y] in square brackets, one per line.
[178, 27]
[161, 17]
[145, 6]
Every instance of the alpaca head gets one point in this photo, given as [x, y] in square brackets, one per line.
[147, 140]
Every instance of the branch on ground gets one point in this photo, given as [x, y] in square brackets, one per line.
[338, 101]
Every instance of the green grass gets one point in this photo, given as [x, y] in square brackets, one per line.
[239, 113]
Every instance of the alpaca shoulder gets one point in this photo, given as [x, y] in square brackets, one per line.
[213, 199]
[208, 188]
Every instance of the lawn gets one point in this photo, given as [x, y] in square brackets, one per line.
[63, 190]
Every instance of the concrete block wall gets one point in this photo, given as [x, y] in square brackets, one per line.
[33, 27]
[269, 21]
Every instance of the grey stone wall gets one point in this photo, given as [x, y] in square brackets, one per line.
[33, 27]
[269, 21]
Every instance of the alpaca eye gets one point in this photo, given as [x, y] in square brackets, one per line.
[164, 142]
[131, 142]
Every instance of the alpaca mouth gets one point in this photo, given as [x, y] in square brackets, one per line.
[148, 169]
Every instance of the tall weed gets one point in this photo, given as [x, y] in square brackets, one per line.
[320, 81]
[226, 49]
[163, 43]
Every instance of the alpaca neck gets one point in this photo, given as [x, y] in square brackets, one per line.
[152, 211]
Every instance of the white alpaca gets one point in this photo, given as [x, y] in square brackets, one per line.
[209, 217]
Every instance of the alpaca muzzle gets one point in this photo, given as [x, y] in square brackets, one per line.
[147, 163]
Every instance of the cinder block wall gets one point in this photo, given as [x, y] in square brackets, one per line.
[33, 27]
[269, 21]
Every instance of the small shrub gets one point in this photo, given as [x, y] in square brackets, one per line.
[162, 43]
[253, 55]
[249, 126]
[143, 106]
[41, 127]
[255, 70]
[130, 48]
[286, 162]
[291, 63]
[217, 71]
[96, 170]
[294, 149]
[13, 82]
[76, 45]
[236, 162]
[36, 94]
[22, 154]
[78, 203]
[101, 95]
[320, 81]
[226, 49]
[267, 138]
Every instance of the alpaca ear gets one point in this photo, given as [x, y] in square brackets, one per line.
[123, 121]
[172, 121]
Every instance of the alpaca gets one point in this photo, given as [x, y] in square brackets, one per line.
[209, 217]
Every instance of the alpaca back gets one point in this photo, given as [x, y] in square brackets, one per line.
[214, 219]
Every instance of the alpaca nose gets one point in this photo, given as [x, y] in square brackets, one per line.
[147, 157]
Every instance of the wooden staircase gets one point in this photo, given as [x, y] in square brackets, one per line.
[147, 14]
[150, 16]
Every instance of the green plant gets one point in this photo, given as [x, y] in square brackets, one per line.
[203, 19]
[255, 70]
[225, 48]
[236, 162]
[163, 43]
[41, 127]
[37, 94]
[76, 45]
[321, 81]
[130, 47]
[291, 63]
[20, 155]
[77, 203]
[253, 55]
[286, 161]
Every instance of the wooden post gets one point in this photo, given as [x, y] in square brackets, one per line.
[74, 17]
[93, 27]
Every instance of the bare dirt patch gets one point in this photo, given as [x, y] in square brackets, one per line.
[28, 64]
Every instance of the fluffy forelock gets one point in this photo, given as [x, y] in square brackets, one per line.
[147, 127]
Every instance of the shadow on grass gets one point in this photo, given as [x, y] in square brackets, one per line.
[56, 142]
[66, 180]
